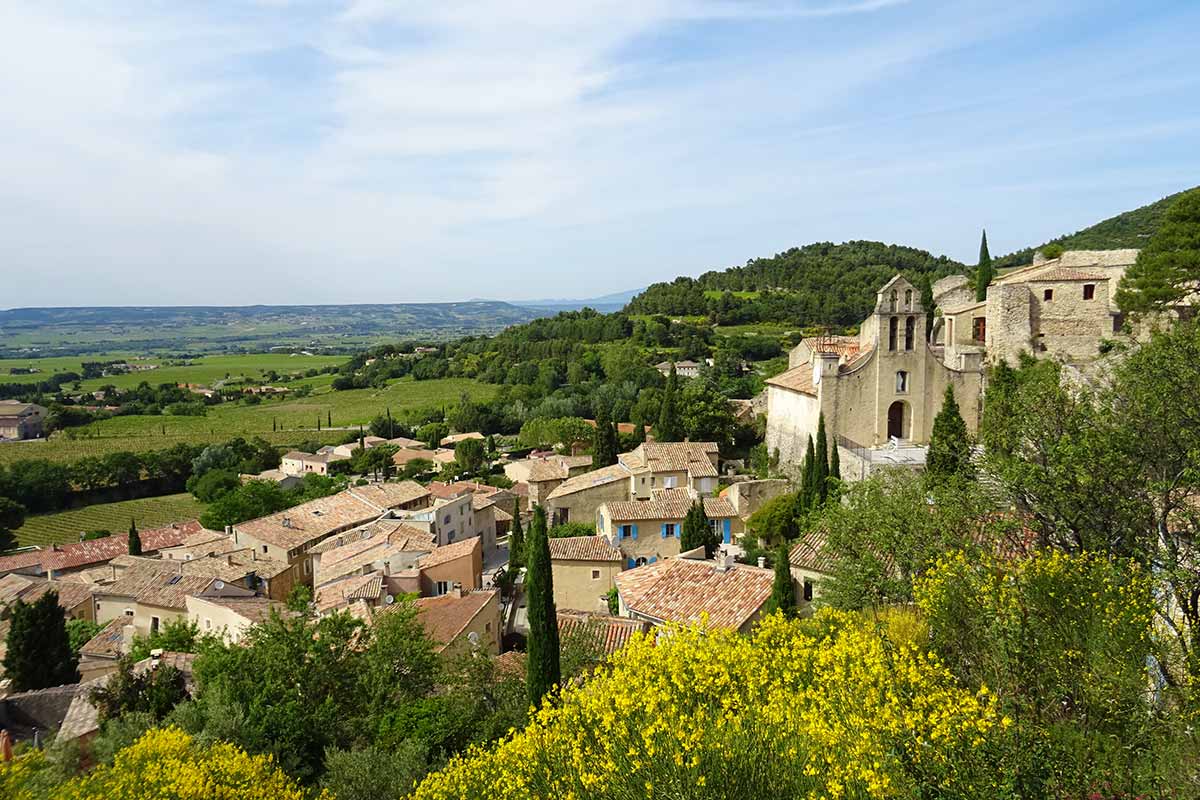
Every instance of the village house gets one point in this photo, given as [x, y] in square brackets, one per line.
[683, 369]
[601, 634]
[453, 518]
[299, 463]
[810, 563]
[60, 560]
[74, 598]
[438, 458]
[462, 622]
[455, 438]
[749, 496]
[684, 590]
[583, 568]
[230, 617]
[648, 530]
[149, 598]
[21, 420]
[347, 450]
[543, 474]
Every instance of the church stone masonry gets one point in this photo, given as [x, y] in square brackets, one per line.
[880, 390]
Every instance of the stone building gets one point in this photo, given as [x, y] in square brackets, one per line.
[881, 389]
[21, 420]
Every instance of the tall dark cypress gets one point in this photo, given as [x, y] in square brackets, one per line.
[667, 429]
[949, 443]
[543, 671]
[135, 540]
[821, 468]
[808, 479]
[39, 650]
[783, 594]
[984, 272]
[604, 439]
[835, 464]
[516, 541]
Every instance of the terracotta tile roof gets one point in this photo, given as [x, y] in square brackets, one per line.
[214, 545]
[672, 504]
[1065, 274]
[310, 522]
[510, 664]
[796, 379]
[390, 495]
[405, 443]
[449, 552]
[445, 617]
[70, 594]
[583, 548]
[253, 609]
[610, 633]
[695, 458]
[172, 591]
[107, 643]
[406, 455]
[343, 592]
[681, 590]
[542, 470]
[588, 480]
[845, 346]
[380, 527]
[455, 438]
[358, 553]
[30, 558]
[97, 551]
[810, 553]
[13, 586]
[234, 566]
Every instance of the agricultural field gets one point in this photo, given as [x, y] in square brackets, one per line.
[149, 512]
[203, 370]
[60, 448]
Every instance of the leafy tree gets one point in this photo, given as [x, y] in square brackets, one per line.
[516, 540]
[565, 529]
[12, 516]
[698, 532]
[175, 636]
[80, 632]
[543, 670]
[433, 433]
[821, 468]
[153, 691]
[469, 455]
[669, 428]
[604, 441]
[705, 414]
[135, 540]
[783, 594]
[251, 500]
[375, 773]
[776, 518]
[1167, 269]
[213, 485]
[984, 272]
[949, 444]
[39, 649]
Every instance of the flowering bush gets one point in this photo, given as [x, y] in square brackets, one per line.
[826, 707]
[163, 763]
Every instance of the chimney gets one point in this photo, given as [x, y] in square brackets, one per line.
[287, 522]
[457, 590]
[762, 562]
[228, 530]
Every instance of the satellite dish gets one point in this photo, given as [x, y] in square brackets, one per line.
[389, 599]
[219, 584]
[473, 638]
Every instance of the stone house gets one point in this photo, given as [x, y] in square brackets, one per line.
[147, 599]
[810, 564]
[684, 590]
[461, 622]
[544, 474]
[648, 530]
[230, 617]
[299, 463]
[583, 569]
[749, 496]
[21, 420]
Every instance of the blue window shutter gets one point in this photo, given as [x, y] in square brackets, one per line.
[678, 530]
[631, 564]
[728, 534]
[635, 531]
[664, 530]
[652, 559]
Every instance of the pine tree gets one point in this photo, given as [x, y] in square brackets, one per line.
[135, 540]
[949, 444]
[543, 670]
[821, 478]
[697, 531]
[667, 429]
[984, 272]
[516, 540]
[1168, 267]
[39, 649]
[604, 439]
[783, 594]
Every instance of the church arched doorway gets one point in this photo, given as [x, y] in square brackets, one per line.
[895, 420]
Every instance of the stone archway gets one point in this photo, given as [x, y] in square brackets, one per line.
[897, 420]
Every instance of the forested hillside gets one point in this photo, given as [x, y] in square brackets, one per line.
[818, 284]
[1130, 229]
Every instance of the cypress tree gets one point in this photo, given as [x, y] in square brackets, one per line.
[39, 649]
[949, 445]
[984, 272]
[135, 540]
[328, 419]
[783, 595]
[318, 422]
[543, 671]
[927, 303]
[604, 439]
[808, 479]
[391, 426]
[639, 427]
[821, 469]
[667, 429]
[835, 464]
[697, 531]
[516, 541]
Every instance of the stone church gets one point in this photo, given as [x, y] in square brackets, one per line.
[880, 390]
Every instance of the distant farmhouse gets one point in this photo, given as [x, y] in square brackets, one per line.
[21, 420]
[880, 390]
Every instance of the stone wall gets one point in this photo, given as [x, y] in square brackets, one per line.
[791, 418]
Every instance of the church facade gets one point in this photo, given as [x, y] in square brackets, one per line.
[880, 390]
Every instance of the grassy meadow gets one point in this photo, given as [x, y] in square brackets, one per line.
[149, 512]
[202, 370]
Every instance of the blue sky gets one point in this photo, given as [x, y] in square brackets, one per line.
[300, 152]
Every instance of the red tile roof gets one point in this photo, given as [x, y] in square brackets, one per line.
[583, 548]
[446, 617]
[610, 633]
[796, 379]
[99, 551]
[681, 590]
[449, 552]
[390, 495]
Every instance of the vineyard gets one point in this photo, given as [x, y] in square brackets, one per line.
[62, 449]
[147, 513]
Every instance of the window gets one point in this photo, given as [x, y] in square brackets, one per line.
[892, 323]
[460, 511]
[446, 520]
[264, 548]
[1089, 291]
[129, 612]
[907, 299]
[308, 566]
[670, 529]
[979, 329]
[153, 625]
[910, 327]
[892, 302]
[1048, 295]
[440, 588]
[487, 627]
[901, 382]
[595, 574]
[669, 481]
[626, 531]
[808, 590]
[641, 562]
